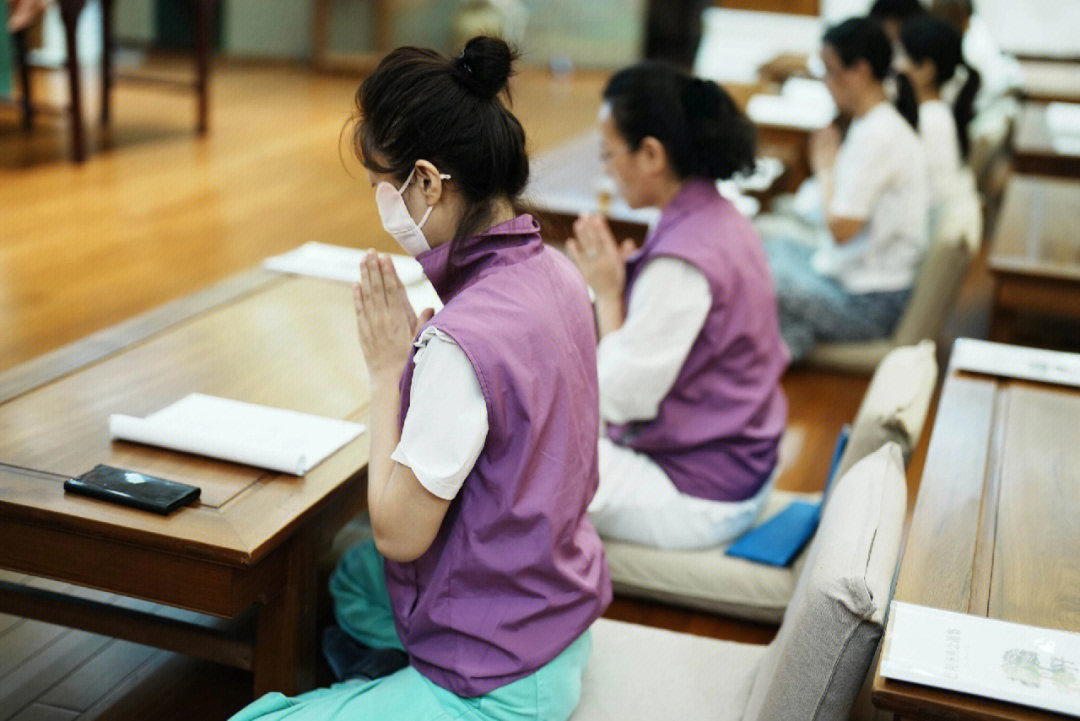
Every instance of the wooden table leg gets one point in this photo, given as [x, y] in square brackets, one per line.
[69, 13]
[286, 635]
[24, 79]
[107, 71]
[204, 10]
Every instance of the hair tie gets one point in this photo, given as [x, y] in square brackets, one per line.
[465, 63]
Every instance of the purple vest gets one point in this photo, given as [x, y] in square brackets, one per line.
[717, 431]
[516, 572]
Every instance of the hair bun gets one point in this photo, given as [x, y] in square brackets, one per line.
[485, 66]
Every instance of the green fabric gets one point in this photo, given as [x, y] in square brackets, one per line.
[358, 587]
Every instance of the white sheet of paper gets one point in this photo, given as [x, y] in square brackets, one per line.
[274, 438]
[999, 359]
[1028, 665]
[778, 110]
[335, 262]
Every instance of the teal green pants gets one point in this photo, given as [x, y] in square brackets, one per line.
[362, 607]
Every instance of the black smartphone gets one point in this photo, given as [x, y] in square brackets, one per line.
[131, 488]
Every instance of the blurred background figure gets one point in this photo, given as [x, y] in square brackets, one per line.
[673, 31]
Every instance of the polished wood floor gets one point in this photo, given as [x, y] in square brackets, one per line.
[157, 213]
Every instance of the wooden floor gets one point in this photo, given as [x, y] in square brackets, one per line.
[157, 213]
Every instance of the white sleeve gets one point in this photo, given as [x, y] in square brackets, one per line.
[446, 425]
[638, 363]
[861, 174]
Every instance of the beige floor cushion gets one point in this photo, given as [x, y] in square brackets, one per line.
[708, 579]
[637, 672]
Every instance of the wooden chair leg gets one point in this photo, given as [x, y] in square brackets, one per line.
[69, 12]
[24, 79]
[107, 71]
[204, 10]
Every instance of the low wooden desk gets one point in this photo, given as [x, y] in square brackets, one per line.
[1051, 80]
[251, 546]
[1035, 255]
[994, 529]
[1035, 149]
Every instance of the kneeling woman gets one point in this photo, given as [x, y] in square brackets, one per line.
[690, 356]
[483, 420]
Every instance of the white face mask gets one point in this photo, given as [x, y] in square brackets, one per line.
[396, 219]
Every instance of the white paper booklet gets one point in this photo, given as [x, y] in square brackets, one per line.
[1033, 364]
[335, 262]
[280, 440]
[1027, 665]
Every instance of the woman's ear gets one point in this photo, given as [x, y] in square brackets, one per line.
[428, 180]
[653, 156]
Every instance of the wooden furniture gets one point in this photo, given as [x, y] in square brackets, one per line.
[1036, 150]
[1051, 80]
[1035, 253]
[70, 10]
[993, 531]
[249, 551]
[325, 59]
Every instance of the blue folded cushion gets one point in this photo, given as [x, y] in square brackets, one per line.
[780, 539]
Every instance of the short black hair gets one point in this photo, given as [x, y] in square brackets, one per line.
[703, 132]
[858, 39]
[419, 104]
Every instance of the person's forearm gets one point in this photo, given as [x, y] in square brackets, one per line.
[385, 430]
[609, 313]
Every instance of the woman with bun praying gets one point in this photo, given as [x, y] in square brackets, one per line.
[475, 598]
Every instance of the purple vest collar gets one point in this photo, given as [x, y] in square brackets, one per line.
[453, 265]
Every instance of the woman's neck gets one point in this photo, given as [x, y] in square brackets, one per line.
[874, 96]
[927, 93]
[668, 189]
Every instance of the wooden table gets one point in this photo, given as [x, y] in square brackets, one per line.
[994, 529]
[1036, 150]
[1035, 255]
[1051, 80]
[250, 549]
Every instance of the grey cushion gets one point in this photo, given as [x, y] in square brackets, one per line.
[815, 666]
[637, 672]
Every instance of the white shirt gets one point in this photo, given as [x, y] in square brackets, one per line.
[999, 73]
[446, 425]
[937, 130]
[638, 363]
[880, 177]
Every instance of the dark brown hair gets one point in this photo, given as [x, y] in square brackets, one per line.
[419, 104]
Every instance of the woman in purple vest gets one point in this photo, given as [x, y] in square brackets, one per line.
[690, 354]
[485, 570]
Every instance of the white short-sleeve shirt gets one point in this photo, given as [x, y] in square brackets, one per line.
[446, 425]
[880, 177]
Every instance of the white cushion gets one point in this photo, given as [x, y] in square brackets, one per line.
[900, 391]
[708, 579]
[638, 672]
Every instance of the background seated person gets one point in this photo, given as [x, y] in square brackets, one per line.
[690, 354]
[853, 281]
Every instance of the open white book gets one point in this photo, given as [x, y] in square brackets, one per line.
[274, 438]
[1033, 666]
[335, 262]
